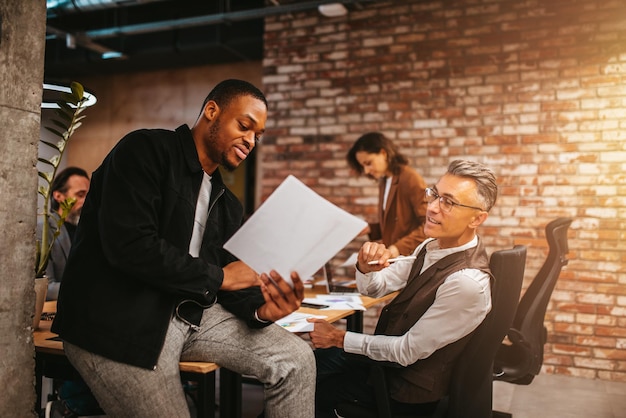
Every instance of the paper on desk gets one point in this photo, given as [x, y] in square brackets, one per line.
[347, 302]
[297, 322]
[295, 229]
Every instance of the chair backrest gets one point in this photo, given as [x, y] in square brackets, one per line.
[532, 307]
[472, 379]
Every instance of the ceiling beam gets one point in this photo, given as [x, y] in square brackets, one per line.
[212, 19]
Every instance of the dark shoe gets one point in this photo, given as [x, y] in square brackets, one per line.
[58, 409]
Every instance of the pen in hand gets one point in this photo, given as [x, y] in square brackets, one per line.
[391, 260]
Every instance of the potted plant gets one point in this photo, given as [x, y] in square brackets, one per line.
[67, 119]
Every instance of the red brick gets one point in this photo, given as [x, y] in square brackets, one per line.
[532, 90]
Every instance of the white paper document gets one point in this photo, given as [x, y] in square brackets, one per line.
[295, 229]
[350, 261]
[346, 302]
[297, 322]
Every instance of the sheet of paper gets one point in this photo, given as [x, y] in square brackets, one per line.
[295, 229]
[297, 322]
[353, 302]
[350, 261]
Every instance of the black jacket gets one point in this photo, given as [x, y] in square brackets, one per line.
[129, 265]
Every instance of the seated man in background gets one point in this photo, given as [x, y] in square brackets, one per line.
[444, 295]
[72, 182]
[75, 398]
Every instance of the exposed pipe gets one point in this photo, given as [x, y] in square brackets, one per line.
[85, 42]
[212, 19]
[56, 7]
[86, 39]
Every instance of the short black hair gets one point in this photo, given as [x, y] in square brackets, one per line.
[60, 183]
[225, 91]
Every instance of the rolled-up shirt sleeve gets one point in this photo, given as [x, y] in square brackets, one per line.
[461, 304]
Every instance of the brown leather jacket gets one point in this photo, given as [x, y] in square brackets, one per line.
[401, 223]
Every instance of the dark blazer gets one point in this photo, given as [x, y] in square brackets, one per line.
[58, 257]
[129, 265]
[401, 222]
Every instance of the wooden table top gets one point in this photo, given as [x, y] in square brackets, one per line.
[47, 342]
[333, 315]
[43, 342]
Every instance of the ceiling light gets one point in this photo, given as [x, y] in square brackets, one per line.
[111, 55]
[70, 41]
[332, 9]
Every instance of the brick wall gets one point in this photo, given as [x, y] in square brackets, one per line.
[535, 89]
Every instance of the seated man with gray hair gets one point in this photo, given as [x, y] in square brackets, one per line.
[444, 295]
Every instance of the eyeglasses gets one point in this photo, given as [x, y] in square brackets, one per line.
[446, 204]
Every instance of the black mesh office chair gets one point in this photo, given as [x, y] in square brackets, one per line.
[471, 386]
[519, 360]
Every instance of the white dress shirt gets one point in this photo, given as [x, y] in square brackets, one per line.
[461, 303]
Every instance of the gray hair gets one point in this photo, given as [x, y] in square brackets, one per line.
[484, 177]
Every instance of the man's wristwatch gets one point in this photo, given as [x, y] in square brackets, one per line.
[256, 316]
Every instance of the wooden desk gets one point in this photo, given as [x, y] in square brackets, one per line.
[50, 360]
[354, 319]
[354, 322]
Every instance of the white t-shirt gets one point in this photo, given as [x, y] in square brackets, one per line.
[386, 194]
[201, 216]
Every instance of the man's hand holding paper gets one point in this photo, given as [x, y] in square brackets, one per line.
[280, 298]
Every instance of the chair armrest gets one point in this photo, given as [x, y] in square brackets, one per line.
[517, 338]
[513, 361]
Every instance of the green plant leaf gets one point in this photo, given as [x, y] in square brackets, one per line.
[43, 160]
[70, 106]
[77, 89]
[64, 112]
[46, 175]
[54, 131]
[54, 161]
[65, 107]
[70, 98]
[59, 124]
[66, 206]
[51, 145]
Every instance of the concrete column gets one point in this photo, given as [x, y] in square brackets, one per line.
[22, 45]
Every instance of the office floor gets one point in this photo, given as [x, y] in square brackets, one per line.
[550, 396]
[562, 396]
[547, 396]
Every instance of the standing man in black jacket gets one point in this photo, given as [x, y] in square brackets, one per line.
[148, 283]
